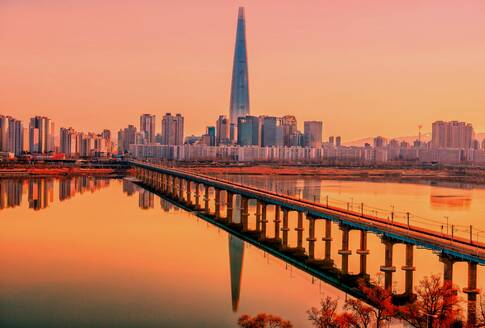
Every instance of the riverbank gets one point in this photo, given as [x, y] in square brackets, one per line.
[53, 171]
[412, 175]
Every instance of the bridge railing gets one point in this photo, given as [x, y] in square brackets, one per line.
[439, 228]
[443, 228]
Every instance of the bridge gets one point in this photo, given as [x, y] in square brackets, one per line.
[193, 192]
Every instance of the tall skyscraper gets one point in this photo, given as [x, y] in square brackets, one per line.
[172, 129]
[147, 126]
[289, 130]
[240, 82]
[272, 132]
[312, 131]
[211, 132]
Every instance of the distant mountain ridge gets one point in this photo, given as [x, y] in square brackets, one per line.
[410, 139]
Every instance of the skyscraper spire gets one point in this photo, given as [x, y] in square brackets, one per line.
[240, 81]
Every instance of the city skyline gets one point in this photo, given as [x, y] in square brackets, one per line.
[429, 78]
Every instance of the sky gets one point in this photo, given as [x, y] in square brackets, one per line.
[364, 68]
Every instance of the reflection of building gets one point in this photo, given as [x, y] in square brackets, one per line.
[41, 193]
[10, 193]
[128, 187]
[450, 201]
[311, 190]
[236, 256]
[145, 199]
[166, 206]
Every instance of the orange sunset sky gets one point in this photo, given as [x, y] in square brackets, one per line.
[364, 68]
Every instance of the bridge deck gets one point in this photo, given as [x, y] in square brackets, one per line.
[458, 247]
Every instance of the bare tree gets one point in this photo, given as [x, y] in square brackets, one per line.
[263, 320]
[436, 305]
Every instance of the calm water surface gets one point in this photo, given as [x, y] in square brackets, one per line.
[106, 253]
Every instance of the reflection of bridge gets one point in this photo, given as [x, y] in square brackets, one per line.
[177, 185]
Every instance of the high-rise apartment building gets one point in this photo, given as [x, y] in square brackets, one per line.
[4, 133]
[172, 129]
[239, 105]
[338, 141]
[126, 137]
[312, 133]
[248, 131]
[11, 135]
[380, 142]
[452, 134]
[222, 130]
[147, 126]
[41, 135]
[68, 142]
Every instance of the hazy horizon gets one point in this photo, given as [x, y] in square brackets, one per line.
[364, 69]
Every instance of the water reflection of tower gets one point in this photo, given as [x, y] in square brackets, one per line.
[145, 199]
[236, 255]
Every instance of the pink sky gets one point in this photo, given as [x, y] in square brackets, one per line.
[362, 67]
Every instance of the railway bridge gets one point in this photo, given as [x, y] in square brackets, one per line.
[193, 191]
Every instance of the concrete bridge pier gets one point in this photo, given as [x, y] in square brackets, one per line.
[174, 190]
[230, 206]
[162, 183]
[206, 200]
[311, 237]
[448, 262]
[217, 202]
[197, 195]
[388, 268]
[189, 193]
[345, 251]
[409, 269]
[299, 231]
[244, 213]
[472, 291]
[328, 240]
[285, 228]
[264, 221]
[258, 216]
[277, 221]
[181, 189]
[363, 252]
